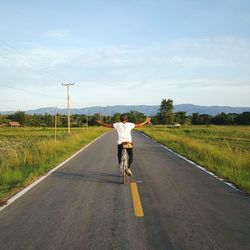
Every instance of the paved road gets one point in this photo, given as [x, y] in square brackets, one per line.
[83, 205]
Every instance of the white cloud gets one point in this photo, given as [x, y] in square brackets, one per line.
[57, 34]
[193, 52]
[210, 62]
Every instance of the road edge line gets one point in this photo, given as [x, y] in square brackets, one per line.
[26, 189]
[195, 165]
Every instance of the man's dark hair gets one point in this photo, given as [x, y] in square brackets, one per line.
[123, 117]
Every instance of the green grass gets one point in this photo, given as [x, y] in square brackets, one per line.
[27, 153]
[224, 150]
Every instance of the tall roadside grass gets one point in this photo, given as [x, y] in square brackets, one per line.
[27, 153]
[224, 150]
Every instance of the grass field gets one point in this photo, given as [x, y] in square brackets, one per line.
[224, 150]
[27, 153]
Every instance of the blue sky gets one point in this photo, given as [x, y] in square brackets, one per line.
[124, 52]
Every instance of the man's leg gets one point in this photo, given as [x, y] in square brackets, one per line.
[119, 153]
[130, 154]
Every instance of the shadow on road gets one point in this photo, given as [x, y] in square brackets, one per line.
[95, 176]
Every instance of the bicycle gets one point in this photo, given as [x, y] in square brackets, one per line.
[125, 159]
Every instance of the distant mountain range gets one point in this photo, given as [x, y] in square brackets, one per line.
[146, 109]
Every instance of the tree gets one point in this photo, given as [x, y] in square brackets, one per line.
[195, 119]
[181, 117]
[243, 119]
[205, 119]
[231, 118]
[19, 116]
[165, 114]
[135, 116]
[48, 120]
[221, 119]
[3, 119]
[116, 117]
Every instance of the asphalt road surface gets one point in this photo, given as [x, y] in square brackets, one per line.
[83, 205]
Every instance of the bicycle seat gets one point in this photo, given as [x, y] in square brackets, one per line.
[127, 144]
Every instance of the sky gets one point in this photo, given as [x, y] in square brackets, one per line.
[124, 52]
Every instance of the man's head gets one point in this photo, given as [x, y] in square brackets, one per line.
[124, 118]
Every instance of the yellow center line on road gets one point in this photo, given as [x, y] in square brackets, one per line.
[136, 200]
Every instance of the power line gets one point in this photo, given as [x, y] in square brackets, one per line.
[14, 51]
[28, 91]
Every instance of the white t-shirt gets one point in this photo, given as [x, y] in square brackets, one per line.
[124, 131]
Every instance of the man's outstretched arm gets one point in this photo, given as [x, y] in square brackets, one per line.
[104, 124]
[148, 119]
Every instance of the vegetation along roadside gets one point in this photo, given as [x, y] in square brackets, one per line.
[224, 150]
[27, 153]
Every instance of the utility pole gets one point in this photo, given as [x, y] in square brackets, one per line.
[55, 126]
[87, 119]
[55, 123]
[67, 85]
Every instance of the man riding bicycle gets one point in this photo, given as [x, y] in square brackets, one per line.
[123, 129]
